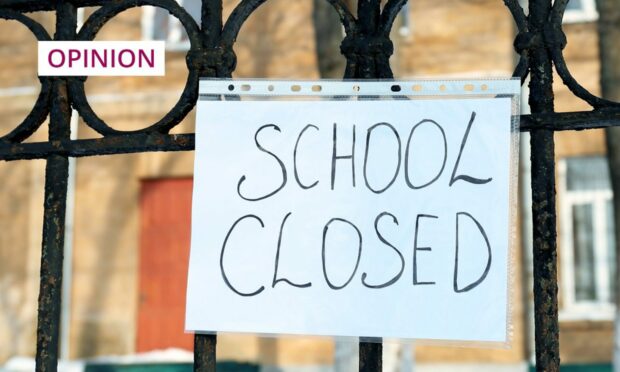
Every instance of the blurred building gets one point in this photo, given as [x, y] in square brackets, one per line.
[129, 214]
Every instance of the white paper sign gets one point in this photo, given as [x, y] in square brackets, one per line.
[352, 218]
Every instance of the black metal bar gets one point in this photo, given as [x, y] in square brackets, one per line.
[369, 66]
[571, 120]
[147, 142]
[368, 15]
[56, 178]
[204, 352]
[110, 145]
[546, 333]
[370, 357]
[211, 22]
[56, 174]
[211, 33]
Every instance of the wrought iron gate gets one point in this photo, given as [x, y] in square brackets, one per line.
[367, 48]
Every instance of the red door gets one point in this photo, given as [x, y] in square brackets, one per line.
[165, 211]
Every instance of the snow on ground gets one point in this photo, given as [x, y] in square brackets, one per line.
[27, 364]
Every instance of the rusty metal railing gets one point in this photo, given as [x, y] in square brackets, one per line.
[366, 47]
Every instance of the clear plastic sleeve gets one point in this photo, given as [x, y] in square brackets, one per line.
[450, 91]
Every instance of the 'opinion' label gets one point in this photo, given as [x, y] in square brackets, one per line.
[102, 58]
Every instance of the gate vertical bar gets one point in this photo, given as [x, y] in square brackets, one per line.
[546, 332]
[204, 352]
[56, 176]
[368, 14]
[211, 26]
[370, 357]
[211, 22]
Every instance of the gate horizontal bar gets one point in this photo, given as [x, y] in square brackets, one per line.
[141, 142]
[578, 120]
[125, 144]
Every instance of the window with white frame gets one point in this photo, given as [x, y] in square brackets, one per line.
[587, 238]
[580, 11]
[158, 24]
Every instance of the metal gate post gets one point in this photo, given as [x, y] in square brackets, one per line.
[56, 176]
[204, 353]
[546, 332]
[368, 23]
[371, 358]
[211, 27]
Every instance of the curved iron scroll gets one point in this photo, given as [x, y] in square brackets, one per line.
[367, 48]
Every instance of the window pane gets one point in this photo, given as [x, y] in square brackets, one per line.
[193, 8]
[583, 253]
[587, 173]
[177, 33]
[160, 24]
[574, 5]
[611, 250]
[168, 28]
